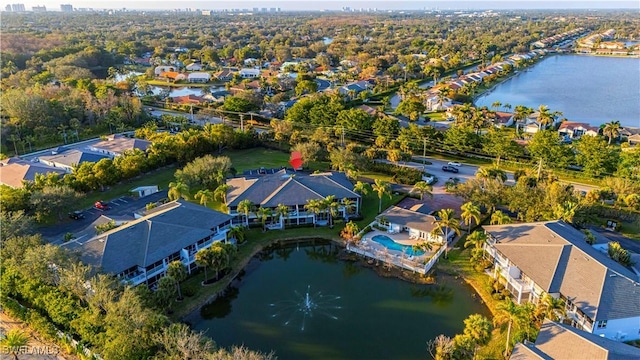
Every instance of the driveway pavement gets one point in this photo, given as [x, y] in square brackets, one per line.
[123, 206]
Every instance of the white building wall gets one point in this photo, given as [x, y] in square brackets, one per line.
[620, 329]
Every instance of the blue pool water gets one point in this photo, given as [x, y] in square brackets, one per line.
[392, 245]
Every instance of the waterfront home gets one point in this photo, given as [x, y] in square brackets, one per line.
[225, 74]
[173, 75]
[419, 225]
[294, 190]
[574, 130]
[188, 99]
[140, 251]
[194, 67]
[164, 68]
[14, 172]
[116, 145]
[199, 77]
[247, 73]
[503, 119]
[67, 159]
[602, 297]
[561, 342]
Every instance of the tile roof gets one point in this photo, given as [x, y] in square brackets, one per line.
[411, 219]
[142, 242]
[286, 188]
[556, 257]
[13, 171]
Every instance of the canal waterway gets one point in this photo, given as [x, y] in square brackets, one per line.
[302, 302]
[590, 89]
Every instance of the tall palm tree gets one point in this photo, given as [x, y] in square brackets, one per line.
[382, 188]
[236, 232]
[349, 232]
[246, 207]
[204, 258]
[469, 213]
[500, 218]
[349, 207]
[332, 207]
[422, 188]
[478, 329]
[204, 196]
[476, 239]
[545, 117]
[496, 105]
[178, 189]
[263, 214]
[282, 211]
[178, 273]
[550, 308]
[313, 206]
[611, 130]
[361, 188]
[14, 340]
[220, 193]
[508, 312]
[444, 223]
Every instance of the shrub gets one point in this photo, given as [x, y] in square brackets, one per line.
[189, 290]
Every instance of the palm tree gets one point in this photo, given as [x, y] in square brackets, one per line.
[245, 206]
[178, 189]
[500, 218]
[361, 188]
[550, 308]
[177, 271]
[332, 207]
[349, 207]
[444, 223]
[236, 232]
[14, 139]
[282, 211]
[476, 239]
[204, 258]
[478, 329]
[423, 189]
[469, 213]
[313, 205]
[496, 105]
[220, 257]
[263, 214]
[545, 117]
[508, 312]
[220, 193]
[349, 232]
[382, 188]
[14, 340]
[566, 211]
[611, 130]
[204, 196]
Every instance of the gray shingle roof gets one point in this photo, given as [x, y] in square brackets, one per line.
[142, 242]
[411, 219]
[556, 257]
[119, 144]
[563, 342]
[528, 352]
[72, 157]
[283, 188]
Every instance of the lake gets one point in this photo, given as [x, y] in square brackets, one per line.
[302, 302]
[591, 89]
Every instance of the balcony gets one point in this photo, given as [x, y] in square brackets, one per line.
[135, 279]
[155, 271]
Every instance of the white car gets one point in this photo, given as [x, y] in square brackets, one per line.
[454, 163]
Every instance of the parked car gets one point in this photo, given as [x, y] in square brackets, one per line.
[450, 169]
[101, 205]
[454, 163]
[429, 179]
[76, 215]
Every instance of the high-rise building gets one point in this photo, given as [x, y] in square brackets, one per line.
[17, 7]
[39, 8]
[7, 8]
[66, 8]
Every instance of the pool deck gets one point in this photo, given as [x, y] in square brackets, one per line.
[377, 251]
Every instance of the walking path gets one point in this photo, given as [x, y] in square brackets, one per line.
[36, 349]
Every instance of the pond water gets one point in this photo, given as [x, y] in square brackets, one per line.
[302, 302]
[591, 89]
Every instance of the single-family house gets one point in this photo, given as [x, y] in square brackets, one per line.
[164, 68]
[225, 74]
[199, 77]
[293, 190]
[633, 140]
[140, 251]
[562, 342]
[173, 75]
[602, 297]
[188, 99]
[15, 171]
[419, 225]
[67, 159]
[575, 130]
[249, 73]
[503, 119]
[116, 145]
[195, 66]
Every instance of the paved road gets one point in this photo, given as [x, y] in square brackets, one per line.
[466, 171]
[629, 244]
[199, 120]
[122, 206]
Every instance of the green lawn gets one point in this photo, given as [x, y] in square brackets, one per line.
[458, 264]
[251, 159]
[436, 116]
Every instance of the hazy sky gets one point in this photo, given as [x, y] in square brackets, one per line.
[292, 5]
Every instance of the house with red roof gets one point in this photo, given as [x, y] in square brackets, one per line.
[575, 130]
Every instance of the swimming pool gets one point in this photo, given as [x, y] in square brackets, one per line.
[392, 245]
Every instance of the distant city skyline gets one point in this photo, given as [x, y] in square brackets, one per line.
[291, 5]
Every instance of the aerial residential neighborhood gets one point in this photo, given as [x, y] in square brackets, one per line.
[380, 181]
